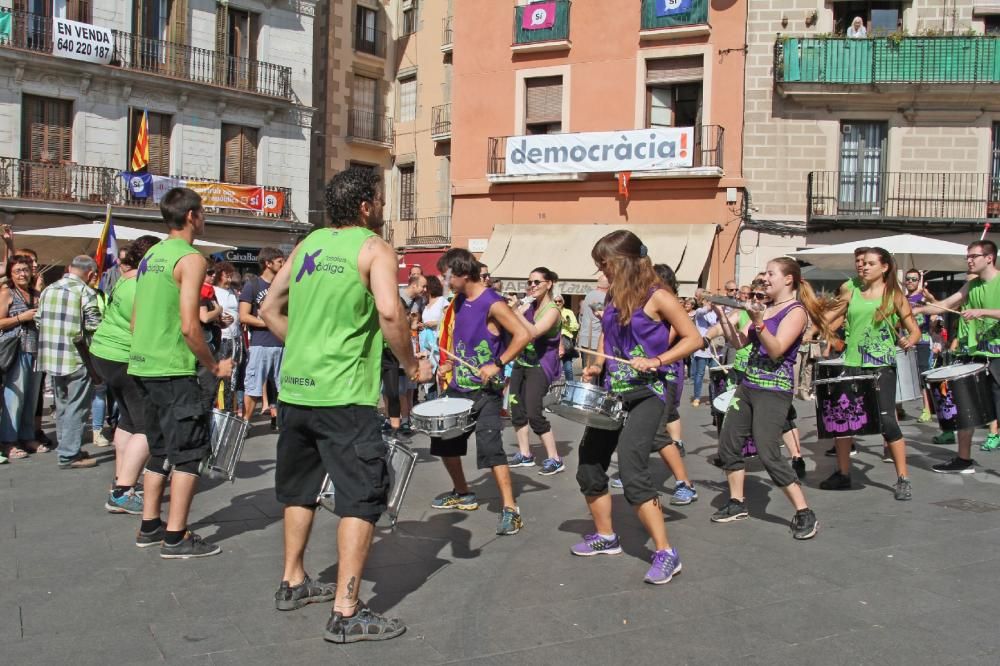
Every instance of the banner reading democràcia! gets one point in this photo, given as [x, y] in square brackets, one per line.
[596, 152]
[81, 41]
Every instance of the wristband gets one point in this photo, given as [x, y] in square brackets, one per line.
[759, 327]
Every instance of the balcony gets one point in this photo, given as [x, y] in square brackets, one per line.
[681, 24]
[33, 33]
[369, 127]
[441, 123]
[447, 34]
[895, 70]
[369, 41]
[427, 230]
[26, 180]
[555, 38]
[706, 161]
[900, 201]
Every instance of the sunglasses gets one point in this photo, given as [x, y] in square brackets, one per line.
[733, 289]
[758, 295]
[535, 283]
[912, 278]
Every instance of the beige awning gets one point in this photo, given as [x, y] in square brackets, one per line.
[515, 249]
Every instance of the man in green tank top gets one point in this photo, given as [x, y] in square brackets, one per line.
[981, 298]
[332, 303]
[167, 343]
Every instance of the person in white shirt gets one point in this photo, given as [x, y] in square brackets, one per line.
[857, 29]
[232, 336]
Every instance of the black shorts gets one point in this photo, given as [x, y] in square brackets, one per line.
[344, 442]
[131, 410]
[178, 425]
[489, 442]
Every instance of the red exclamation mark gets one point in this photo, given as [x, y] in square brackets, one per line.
[684, 144]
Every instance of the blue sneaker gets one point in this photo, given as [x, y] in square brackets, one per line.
[683, 494]
[510, 522]
[551, 466]
[595, 544]
[665, 564]
[453, 500]
[521, 460]
[616, 483]
[130, 503]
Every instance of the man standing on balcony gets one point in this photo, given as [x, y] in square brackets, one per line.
[266, 350]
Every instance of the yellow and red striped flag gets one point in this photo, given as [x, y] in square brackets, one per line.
[446, 335]
[140, 155]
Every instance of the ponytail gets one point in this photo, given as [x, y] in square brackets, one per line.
[814, 308]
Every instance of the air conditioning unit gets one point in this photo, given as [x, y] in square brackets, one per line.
[846, 129]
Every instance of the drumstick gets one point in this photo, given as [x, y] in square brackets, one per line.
[602, 355]
[941, 307]
[715, 356]
[461, 361]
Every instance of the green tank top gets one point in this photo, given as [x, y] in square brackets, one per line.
[869, 344]
[742, 354]
[113, 338]
[531, 355]
[158, 347]
[984, 334]
[333, 351]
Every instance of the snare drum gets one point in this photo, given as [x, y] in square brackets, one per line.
[847, 406]
[229, 433]
[400, 459]
[718, 380]
[907, 376]
[446, 417]
[587, 404]
[829, 368]
[962, 395]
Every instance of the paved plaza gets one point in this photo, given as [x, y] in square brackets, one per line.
[884, 582]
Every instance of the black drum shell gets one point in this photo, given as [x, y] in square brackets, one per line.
[863, 388]
[972, 394]
[826, 370]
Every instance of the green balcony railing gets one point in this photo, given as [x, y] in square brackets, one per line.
[558, 32]
[973, 59]
[685, 12]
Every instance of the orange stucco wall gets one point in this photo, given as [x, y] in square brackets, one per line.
[604, 71]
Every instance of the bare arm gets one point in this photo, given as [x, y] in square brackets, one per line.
[909, 323]
[539, 327]
[207, 315]
[249, 319]
[273, 311]
[952, 302]
[510, 322]
[377, 261]
[688, 340]
[189, 274]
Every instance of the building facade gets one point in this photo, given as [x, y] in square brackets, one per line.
[227, 94]
[668, 71]
[853, 137]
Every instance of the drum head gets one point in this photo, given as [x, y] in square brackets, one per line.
[721, 402]
[954, 371]
[831, 361]
[443, 407]
[844, 379]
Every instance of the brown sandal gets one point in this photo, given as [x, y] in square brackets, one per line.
[37, 448]
[15, 452]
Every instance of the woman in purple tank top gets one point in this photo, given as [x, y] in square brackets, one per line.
[762, 399]
[534, 370]
[636, 325]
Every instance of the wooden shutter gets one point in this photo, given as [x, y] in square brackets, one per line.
[159, 144]
[675, 70]
[221, 42]
[239, 154]
[80, 10]
[49, 124]
[248, 156]
[543, 99]
[407, 192]
[177, 23]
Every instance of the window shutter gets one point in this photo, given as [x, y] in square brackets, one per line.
[674, 70]
[406, 193]
[221, 42]
[543, 99]
[177, 30]
[159, 144]
[231, 138]
[248, 156]
[79, 10]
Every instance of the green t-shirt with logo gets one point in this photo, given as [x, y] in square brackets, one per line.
[113, 338]
[984, 334]
[870, 344]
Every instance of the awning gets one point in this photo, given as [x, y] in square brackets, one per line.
[515, 249]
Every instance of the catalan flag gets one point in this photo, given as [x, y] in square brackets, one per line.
[107, 246]
[446, 336]
[140, 155]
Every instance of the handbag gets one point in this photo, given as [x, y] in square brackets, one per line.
[10, 347]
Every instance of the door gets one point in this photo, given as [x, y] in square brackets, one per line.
[993, 207]
[46, 147]
[862, 167]
[365, 121]
[242, 41]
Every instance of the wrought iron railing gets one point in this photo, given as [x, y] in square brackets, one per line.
[447, 31]
[912, 196]
[369, 126]
[369, 40]
[843, 61]
[695, 13]
[441, 120]
[33, 32]
[708, 144]
[78, 183]
[558, 32]
[428, 230]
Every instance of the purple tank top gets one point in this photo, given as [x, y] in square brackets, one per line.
[764, 373]
[640, 337]
[474, 343]
[543, 351]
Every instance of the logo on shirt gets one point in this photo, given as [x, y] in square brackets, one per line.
[308, 265]
[297, 381]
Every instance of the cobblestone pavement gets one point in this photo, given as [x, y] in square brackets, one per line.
[884, 582]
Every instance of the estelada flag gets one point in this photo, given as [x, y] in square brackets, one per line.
[107, 247]
[539, 16]
[140, 154]
[446, 341]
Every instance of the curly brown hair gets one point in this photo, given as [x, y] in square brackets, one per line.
[624, 256]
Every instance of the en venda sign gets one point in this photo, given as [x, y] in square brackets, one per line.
[81, 41]
[590, 152]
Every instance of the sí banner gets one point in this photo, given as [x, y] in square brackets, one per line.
[81, 41]
[592, 152]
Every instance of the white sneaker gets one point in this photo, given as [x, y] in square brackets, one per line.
[100, 440]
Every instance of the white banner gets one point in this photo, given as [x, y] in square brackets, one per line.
[589, 152]
[81, 41]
